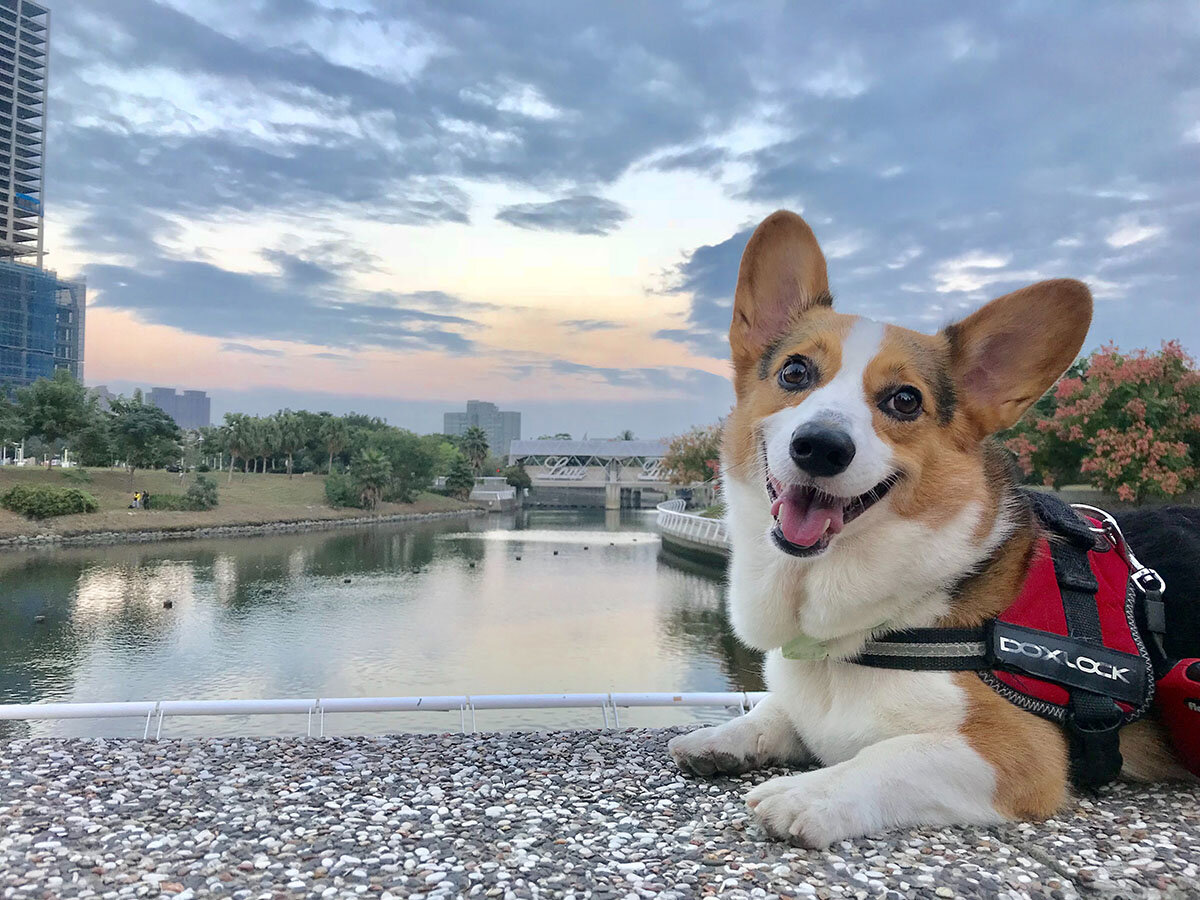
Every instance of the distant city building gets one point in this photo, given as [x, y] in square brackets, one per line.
[24, 44]
[41, 323]
[104, 397]
[502, 427]
[190, 409]
[41, 316]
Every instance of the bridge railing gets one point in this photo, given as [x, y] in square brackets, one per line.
[674, 522]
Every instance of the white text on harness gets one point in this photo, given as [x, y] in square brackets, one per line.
[1084, 664]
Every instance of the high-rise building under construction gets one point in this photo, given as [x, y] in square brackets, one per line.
[41, 316]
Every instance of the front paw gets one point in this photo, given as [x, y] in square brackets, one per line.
[711, 751]
[795, 808]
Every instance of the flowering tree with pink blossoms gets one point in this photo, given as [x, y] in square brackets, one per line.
[1127, 423]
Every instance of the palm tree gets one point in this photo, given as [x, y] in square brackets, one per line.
[372, 471]
[289, 433]
[474, 444]
[239, 439]
[334, 435]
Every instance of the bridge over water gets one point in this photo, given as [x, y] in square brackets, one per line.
[612, 474]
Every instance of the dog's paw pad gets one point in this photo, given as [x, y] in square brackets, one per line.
[707, 752]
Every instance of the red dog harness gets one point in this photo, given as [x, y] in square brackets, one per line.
[1082, 645]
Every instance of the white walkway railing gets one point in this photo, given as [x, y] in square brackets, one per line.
[155, 712]
[674, 522]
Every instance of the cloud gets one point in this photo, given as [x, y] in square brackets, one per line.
[590, 325]
[578, 215]
[709, 276]
[910, 140]
[700, 159]
[202, 298]
[1130, 231]
[230, 347]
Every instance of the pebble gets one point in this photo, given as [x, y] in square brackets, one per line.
[571, 814]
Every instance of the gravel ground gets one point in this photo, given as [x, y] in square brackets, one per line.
[598, 814]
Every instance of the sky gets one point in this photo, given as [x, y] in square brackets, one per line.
[395, 207]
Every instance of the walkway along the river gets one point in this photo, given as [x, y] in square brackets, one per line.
[600, 814]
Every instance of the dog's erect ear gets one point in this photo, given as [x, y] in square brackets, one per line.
[1006, 355]
[782, 274]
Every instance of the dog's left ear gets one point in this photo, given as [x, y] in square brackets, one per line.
[1006, 355]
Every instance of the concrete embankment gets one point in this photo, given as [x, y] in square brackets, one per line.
[51, 539]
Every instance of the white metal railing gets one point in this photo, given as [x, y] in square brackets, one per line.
[674, 522]
[154, 712]
[510, 494]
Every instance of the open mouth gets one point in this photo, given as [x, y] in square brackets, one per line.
[807, 518]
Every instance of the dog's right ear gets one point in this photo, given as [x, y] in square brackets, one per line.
[782, 275]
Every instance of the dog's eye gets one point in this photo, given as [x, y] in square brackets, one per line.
[796, 374]
[904, 403]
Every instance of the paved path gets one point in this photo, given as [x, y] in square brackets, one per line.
[520, 815]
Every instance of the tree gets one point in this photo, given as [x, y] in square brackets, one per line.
[441, 448]
[213, 445]
[335, 435]
[12, 429]
[55, 409]
[461, 479]
[692, 456]
[143, 435]
[239, 439]
[561, 436]
[410, 459]
[518, 477]
[1130, 423]
[626, 435]
[289, 435]
[93, 446]
[474, 446]
[371, 472]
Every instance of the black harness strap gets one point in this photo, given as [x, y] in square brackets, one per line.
[1092, 719]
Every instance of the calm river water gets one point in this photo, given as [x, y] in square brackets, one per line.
[443, 607]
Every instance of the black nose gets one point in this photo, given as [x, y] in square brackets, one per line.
[821, 450]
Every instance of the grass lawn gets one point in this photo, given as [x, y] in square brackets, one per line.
[247, 500]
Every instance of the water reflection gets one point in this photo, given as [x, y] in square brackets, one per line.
[544, 601]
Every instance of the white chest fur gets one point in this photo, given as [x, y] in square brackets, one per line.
[838, 709]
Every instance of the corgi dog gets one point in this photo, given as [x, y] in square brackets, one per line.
[863, 492]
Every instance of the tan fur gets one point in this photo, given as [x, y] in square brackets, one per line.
[1148, 755]
[1010, 352]
[1029, 754]
[782, 274]
[818, 334]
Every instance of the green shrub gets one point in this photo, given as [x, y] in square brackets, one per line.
[202, 493]
[204, 467]
[200, 496]
[173, 502]
[40, 501]
[341, 490]
[77, 476]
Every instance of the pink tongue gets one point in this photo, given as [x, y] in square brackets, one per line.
[802, 516]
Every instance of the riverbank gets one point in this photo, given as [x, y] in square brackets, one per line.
[516, 815]
[249, 504]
